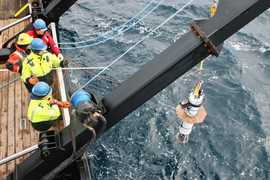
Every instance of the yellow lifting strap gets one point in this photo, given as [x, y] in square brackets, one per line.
[20, 11]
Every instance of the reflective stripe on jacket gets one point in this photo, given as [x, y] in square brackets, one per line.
[42, 110]
[39, 65]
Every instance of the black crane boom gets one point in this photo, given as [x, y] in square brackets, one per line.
[205, 38]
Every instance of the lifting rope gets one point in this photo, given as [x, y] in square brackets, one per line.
[117, 28]
[132, 47]
[66, 68]
[120, 32]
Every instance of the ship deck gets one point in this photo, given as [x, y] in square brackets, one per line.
[16, 133]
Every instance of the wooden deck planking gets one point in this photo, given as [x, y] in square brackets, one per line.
[14, 104]
[11, 122]
[26, 131]
[9, 7]
[1, 108]
[18, 117]
[4, 115]
[14, 101]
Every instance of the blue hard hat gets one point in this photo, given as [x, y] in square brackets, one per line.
[38, 44]
[79, 97]
[41, 89]
[40, 24]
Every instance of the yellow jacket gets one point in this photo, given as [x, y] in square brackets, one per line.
[41, 110]
[39, 65]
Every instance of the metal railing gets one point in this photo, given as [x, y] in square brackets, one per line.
[17, 155]
[14, 23]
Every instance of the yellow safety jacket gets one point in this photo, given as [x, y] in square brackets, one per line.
[40, 110]
[39, 65]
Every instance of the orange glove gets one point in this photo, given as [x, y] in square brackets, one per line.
[33, 80]
[62, 104]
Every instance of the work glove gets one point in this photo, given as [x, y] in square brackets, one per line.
[33, 80]
[65, 104]
[64, 63]
[62, 104]
[9, 66]
[60, 56]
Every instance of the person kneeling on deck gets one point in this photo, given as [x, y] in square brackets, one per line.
[88, 112]
[43, 110]
[38, 65]
[190, 112]
[40, 30]
[22, 46]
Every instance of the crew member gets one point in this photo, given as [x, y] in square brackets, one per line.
[38, 65]
[88, 112]
[43, 110]
[40, 30]
[191, 112]
[14, 63]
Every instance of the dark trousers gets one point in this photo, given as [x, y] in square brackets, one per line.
[43, 126]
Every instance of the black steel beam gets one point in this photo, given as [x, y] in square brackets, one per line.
[184, 54]
[180, 57]
[56, 8]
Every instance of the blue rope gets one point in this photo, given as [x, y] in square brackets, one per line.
[116, 35]
[115, 29]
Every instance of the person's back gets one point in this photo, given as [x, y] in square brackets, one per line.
[43, 110]
[14, 63]
[41, 65]
[38, 65]
[40, 30]
[40, 110]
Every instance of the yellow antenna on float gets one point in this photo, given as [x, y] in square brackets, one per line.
[197, 89]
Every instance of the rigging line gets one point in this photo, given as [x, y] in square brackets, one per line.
[125, 24]
[68, 68]
[145, 37]
[11, 82]
[80, 68]
[117, 28]
[116, 35]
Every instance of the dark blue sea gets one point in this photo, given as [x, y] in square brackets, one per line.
[232, 143]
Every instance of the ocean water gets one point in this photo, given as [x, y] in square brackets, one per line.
[234, 140]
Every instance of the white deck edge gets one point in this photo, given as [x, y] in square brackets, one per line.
[63, 94]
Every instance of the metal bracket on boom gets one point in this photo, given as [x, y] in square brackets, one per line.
[212, 49]
[37, 9]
